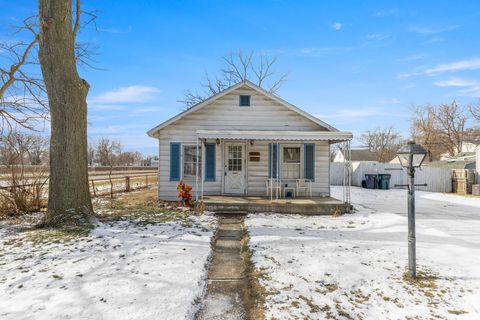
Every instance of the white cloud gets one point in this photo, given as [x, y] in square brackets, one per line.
[462, 65]
[410, 86]
[105, 107]
[427, 31]
[146, 110]
[472, 64]
[351, 113]
[321, 51]
[116, 129]
[388, 12]
[377, 37]
[389, 101]
[435, 40]
[116, 30]
[456, 82]
[469, 88]
[412, 57]
[131, 94]
[337, 26]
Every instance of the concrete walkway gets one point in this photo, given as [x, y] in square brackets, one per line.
[226, 279]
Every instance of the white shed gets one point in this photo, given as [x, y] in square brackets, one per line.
[232, 142]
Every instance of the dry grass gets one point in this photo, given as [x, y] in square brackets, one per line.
[141, 207]
[254, 297]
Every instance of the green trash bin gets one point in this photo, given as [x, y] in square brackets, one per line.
[384, 181]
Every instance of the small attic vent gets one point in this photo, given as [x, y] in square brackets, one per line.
[244, 101]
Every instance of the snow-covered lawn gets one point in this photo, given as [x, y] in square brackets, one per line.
[120, 270]
[353, 266]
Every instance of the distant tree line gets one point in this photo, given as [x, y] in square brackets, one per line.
[441, 129]
[109, 153]
[23, 148]
[20, 147]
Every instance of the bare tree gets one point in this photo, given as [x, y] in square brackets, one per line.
[238, 66]
[69, 196]
[91, 154]
[451, 119]
[129, 158]
[22, 93]
[475, 111]
[38, 150]
[446, 126]
[23, 186]
[425, 132]
[108, 153]
[383, 142]
[472, 135]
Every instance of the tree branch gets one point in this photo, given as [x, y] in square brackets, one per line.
[77, 19]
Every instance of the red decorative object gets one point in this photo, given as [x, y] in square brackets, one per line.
[184, 194]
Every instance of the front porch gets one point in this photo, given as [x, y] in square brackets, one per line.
[250, 164]
[251, 204]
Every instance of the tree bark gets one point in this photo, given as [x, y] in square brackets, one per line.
[69, 199]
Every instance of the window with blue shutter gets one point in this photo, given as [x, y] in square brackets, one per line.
[309, 167]
[210, 162]
[273, 160]
[175, 161]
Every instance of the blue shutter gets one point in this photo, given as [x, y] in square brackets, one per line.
[272, 160]
[210, 162]
[309, 168]
[175, 161]
[269, 160]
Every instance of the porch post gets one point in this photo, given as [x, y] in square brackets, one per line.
[202, 176]
[196, 173]
[278, 171]
[347, 174]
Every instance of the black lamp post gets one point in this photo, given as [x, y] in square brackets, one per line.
[411, 156]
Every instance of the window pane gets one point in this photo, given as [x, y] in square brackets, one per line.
[244, 101]
[291, 155]
[190, 161]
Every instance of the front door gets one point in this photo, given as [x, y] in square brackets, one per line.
[234, 168]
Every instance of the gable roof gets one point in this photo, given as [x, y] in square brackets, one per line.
[362, 155]
[249, 84]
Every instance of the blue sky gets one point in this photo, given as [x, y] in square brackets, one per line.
[355, 64]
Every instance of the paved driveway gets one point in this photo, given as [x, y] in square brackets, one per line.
[458, 216]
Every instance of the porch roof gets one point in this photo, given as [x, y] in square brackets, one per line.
[335, 136]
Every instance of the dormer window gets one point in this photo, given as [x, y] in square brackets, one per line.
[244, 101]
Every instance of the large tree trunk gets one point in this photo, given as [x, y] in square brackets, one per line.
[69, 199]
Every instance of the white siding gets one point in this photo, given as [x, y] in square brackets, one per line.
[225, 114]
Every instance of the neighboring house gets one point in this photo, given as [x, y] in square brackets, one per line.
[355, 155]
[467, 148]
[463, 160]
[477, 158]
[396, 160]
[244, 136]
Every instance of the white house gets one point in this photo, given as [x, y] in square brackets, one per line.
[477, 164]
[467, 147]
[363, 155]
[234, 141]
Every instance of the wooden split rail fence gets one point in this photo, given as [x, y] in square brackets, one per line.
[105, 186]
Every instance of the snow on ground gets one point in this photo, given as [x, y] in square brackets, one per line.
[121, 270]
[453, 198]
[352, 267]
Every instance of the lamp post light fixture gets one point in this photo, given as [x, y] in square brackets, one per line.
[411, 156]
